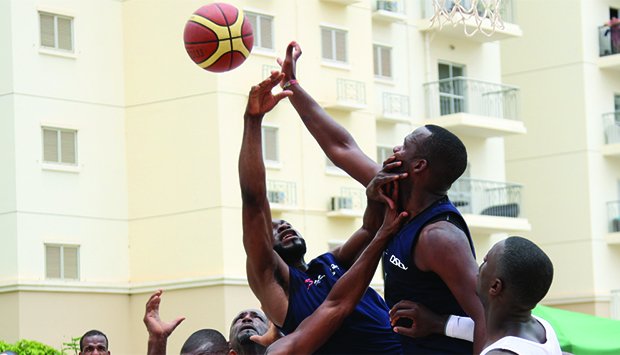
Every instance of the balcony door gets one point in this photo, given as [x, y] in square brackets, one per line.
[452, 88]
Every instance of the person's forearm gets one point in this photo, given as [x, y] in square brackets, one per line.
[373, 217]
[251, 165]
[157, 346]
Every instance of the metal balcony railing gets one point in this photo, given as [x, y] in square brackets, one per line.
[613, 216]
[506, 11]
[395, 105]
[351, 91]
[282, 192]
[459, 94]
[484, 197]
[611, 125]
[608, 40]
[391, 5]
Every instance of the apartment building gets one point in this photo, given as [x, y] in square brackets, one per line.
[120, 154]
[570, 82]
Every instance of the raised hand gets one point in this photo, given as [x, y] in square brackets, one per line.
[288, 65]
[261, 100]
[386, 183]
[269, 337]
[157, 328]
[424, 321]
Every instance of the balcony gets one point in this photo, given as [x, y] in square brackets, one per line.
[609, 47]
[350, 96]
[611, 125]
[489, 206]
[282, 195]
[395, 108]
[473, 107]
[506, 12]
[351, 203]
[389, 11]
[343, 2]
[613, 222]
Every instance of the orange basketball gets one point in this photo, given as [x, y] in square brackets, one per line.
[218, 37]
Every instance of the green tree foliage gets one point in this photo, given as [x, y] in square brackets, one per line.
[29, 347]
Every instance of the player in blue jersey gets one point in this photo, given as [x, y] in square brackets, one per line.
[431, 260]
[288, 288]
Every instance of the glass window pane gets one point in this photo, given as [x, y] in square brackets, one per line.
[457, 71]
[50, 145]
[47, 30]
[270, 143]
[386, 62]
[443, 71]
[376, 58]
[326, 43]
[70, 262]
[52, 262]
[266, 32]
[617, 102]
[341, 46]
[65, 37]
[67, 147]
[252, 18]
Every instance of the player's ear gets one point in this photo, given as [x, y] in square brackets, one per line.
[497, 286]
[419, 164]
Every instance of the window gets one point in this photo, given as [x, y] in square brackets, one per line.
[59, 145]
[334, 44]
[384, 152]
[61, 261]
[56, 31]
[270, 143]
[330, 167]
[451, 88]
[263, 30]
[617, 102]
[383, 61]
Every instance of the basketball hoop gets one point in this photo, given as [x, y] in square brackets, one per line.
[481, 15]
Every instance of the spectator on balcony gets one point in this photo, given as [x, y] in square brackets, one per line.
[614, 32]
[431, 260]
[288, 288]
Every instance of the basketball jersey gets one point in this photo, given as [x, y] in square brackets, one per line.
[404, 281]
[527, 347]
[366, 331]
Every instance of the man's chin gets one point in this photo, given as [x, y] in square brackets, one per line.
[244, 336]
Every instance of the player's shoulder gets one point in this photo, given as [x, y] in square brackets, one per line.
[441, 232]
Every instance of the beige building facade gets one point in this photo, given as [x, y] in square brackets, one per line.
[568, 160]
[120, 154]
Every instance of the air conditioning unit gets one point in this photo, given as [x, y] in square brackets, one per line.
[275, 196]
[341, 203]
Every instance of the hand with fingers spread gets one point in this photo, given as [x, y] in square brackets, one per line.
[261, 100]
[424, 321]
[269, 337]
[288, 65]
[385, 183]
[158, 330]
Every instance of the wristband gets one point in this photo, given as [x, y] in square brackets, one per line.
[289, 84]
[460, 328]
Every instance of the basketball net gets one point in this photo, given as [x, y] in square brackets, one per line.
[482, 15]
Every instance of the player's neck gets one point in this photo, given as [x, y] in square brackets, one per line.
[418, 201]
[505, 321]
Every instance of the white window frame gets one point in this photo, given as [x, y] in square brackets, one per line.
[61, 260]
[268, 162]
[258, 45]
[56, 15]
[333, 30]
[59, 130]
[379, 64]
[386, 147]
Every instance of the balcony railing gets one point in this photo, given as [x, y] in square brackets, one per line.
[390, 5]
[613, 216]
[611, 124]
[351, 91]
[506, 11]
[608, 40]
[459, 94]
[281, 192]
[395, 105]
[483, 197]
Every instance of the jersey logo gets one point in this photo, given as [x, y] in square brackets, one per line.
[396, 261]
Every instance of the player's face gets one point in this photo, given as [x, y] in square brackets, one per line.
[408, 151]
[288, 243]
[487, 272]
[247, 323]
[94, 345]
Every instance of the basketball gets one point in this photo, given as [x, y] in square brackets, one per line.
[218, 37]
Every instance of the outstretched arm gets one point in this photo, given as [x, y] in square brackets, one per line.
[158, 330]
[344, 296]
[262, 263]
[336, 142]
